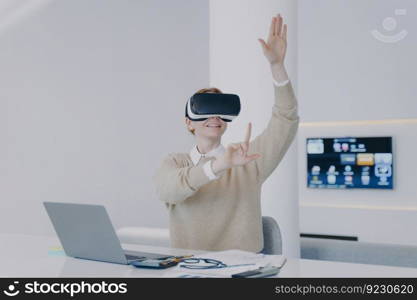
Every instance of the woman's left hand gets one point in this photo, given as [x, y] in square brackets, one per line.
[276, 46]
[236, 155]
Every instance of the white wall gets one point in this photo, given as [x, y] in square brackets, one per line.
[237, 65]
[344, 69]
[92, 96]
[345, 73]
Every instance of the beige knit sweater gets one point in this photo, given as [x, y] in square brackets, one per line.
[225, 213]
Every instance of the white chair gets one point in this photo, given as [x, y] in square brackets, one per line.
[272, 236]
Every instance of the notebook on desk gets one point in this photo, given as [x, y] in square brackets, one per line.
[236, 261]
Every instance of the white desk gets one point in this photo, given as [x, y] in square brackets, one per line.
[34, 256]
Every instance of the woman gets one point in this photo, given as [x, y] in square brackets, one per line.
[213, 193]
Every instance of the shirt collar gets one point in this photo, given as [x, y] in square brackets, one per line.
[196, 155]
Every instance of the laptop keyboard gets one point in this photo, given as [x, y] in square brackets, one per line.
[134, 257]
[144, 255]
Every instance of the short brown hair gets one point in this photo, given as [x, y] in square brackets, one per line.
[210, 90]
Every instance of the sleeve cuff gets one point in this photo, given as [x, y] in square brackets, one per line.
[282, 83]
[209, 171]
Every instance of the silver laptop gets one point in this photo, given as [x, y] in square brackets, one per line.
[85, 231]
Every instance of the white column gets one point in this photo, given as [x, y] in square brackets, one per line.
[237, 65]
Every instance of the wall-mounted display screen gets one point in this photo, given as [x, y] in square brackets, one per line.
[350, 162]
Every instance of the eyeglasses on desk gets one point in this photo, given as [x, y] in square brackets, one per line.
[196, 263]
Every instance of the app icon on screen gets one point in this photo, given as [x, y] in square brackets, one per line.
[331, 179]
[383, 180]
[348, 179]
[365, 179]
[348, 170]
[383, 170]
[347, 159]
[315, 170]
[315, 146]
[383, 158]
[337, 147]
[365, 159]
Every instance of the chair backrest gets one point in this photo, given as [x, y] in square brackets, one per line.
[272, 236]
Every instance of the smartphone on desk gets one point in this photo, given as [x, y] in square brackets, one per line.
[258, 273]
[154, 263]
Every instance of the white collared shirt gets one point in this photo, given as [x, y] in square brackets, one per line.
[196, 156]
[282, 83]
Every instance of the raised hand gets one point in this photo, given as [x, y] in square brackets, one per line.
[236, 154]
[276, 46]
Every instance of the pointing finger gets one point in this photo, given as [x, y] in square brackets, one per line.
[245, 147]
[242, 151]
[248, 133]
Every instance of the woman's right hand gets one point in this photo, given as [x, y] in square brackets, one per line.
[236, 155]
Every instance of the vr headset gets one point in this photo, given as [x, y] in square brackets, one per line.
[200, 107]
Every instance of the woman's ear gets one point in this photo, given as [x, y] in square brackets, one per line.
[188, 123]
[189, 126]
